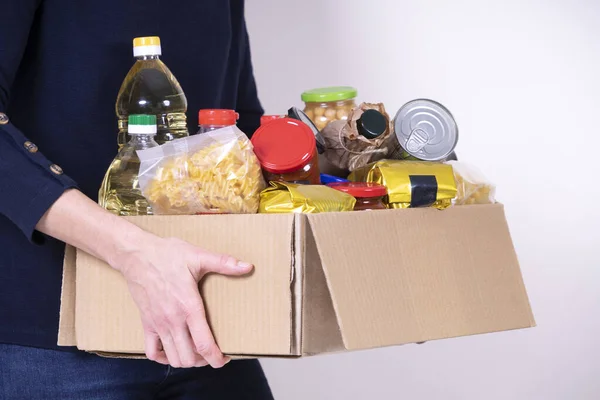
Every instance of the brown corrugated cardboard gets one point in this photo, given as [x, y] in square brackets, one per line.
[417, 275]
[323, 282]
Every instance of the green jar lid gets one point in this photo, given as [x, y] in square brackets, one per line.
[327, 94]
[142, 119]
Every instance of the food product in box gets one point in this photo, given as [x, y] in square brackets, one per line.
[286, 149]
[365, 137]
[295, 113]
[472, 186]
[368, 195]
[120, 191]
[327, 179]
[411, 183]
[284, 197]
[216, 172]
[424, 130]
[213, 119]
[150, 88]
[324, 105]
[265, 119]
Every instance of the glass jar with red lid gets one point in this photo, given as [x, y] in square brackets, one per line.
[369, 196]
[212, 119]
[265, 119]
[287, 151]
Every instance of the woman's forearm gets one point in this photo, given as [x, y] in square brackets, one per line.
[162, 275]
[78, 221]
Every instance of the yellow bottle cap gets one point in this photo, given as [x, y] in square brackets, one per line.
[146, 41]
[146, 46]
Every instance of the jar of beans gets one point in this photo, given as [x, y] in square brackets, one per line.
[324, 105]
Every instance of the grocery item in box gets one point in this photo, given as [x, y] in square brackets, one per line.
[411, 183]
[424, 130]
[365, 137]
[213, 119]
[295, 113]
[151, 88]
[326, 179]
[286, 149]
[324, 105]
[120, 191]
[216, 172]
[283, 197]
[472, 186]
[368, 195]
[265, 119]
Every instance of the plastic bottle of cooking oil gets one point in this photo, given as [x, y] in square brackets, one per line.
[150, 88]
[120, 192]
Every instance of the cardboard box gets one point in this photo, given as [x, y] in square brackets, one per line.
[322, 283]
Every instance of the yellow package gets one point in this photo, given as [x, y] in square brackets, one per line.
[473, 187]
[411, 183]
[282, 198]
[214, 172]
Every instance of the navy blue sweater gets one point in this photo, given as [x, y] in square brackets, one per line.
[61, 65]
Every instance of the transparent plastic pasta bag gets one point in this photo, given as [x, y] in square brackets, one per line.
[216, 172]
[472, 186]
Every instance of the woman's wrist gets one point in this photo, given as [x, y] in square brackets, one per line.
[131, 240]
[78, 221]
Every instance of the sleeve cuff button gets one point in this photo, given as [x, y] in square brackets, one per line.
[30, 147]
[56, 169]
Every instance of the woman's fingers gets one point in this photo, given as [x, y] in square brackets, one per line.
[185, 347]
[203, 339]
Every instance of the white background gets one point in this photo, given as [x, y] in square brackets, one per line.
[522, 80]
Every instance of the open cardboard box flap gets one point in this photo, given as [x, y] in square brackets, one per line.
[322, 283]
[404, 276]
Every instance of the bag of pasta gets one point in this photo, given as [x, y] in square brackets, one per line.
[411, 183]
[283, 198]
[473, 187]
[215, 172]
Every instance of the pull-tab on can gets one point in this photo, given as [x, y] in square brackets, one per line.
[425, 130]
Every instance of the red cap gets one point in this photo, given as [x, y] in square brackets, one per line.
[360, 189]
[268, 118]
[284, 145]
[217, 117]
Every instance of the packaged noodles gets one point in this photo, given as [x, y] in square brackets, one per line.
[473, 187]
[216, 172]
[411, 183]
[284, 197]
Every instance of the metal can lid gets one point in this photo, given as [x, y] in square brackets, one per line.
[426, 130]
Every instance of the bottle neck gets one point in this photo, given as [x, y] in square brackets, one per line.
[148, 57]
[142, 140]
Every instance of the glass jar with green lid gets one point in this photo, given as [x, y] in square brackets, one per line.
[324, 105]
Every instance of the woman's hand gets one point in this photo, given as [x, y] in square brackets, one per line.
[162, 275]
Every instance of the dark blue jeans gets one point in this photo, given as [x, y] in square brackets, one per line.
[31, 373]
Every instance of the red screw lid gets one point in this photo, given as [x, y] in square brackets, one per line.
[217, 117]
[360, 189]
[268, 118]
[284, 145]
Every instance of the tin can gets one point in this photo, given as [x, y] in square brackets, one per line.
[425, 130]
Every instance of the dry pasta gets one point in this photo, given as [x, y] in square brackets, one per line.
[472, 186]
[215, 172]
